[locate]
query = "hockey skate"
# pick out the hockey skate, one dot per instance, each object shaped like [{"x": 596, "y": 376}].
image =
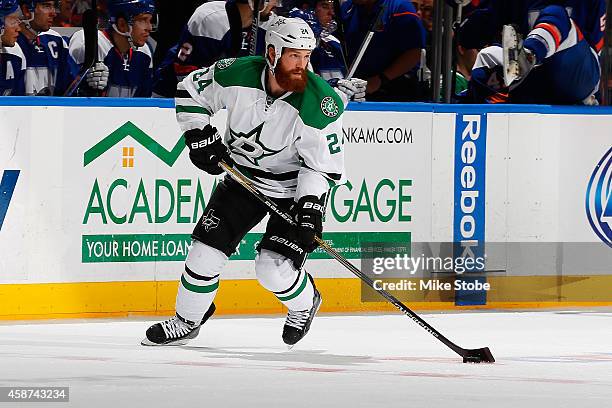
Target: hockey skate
[
  {"x": 175, "y": 331},
  {"x": 518, "y": 61},
  {"x": 298, "y": 321}
]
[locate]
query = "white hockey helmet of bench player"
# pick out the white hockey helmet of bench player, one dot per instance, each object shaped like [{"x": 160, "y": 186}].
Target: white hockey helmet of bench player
[{"x": 287, "y": 32}]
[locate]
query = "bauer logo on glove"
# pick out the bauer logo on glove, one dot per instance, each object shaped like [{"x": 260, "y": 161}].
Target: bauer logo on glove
[{"x": 206, "y": 149}]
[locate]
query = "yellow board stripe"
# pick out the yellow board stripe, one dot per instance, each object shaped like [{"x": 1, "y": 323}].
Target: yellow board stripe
[{"x": 116, "y": 299}]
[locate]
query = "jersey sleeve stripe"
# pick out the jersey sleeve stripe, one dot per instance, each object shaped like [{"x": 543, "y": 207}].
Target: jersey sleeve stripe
[
  {"x": 185, "y": 102},
  {"x": 192, "y": 109},
  {"x": 332, "y": 176},
  {"x": 553, "y": 31},
  {"x": 407, "y": 13}
]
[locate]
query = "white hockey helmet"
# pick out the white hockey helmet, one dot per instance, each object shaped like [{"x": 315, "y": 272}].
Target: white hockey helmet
[{"x": 287, "y": 32}]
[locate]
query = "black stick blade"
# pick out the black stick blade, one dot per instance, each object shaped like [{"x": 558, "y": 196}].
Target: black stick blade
[{"x": 481, "y": 355}]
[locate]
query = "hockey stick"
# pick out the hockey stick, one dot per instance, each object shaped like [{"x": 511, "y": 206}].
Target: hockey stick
[
  {"x": 469, "y": 355},
  {"x": 254, "y": 27},
  {"x": 376, "y": 26},
  {"x": 90, "y": 32}
]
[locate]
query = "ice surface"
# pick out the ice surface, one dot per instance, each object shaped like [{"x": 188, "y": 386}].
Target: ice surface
[{"x": 544, "y": 359}]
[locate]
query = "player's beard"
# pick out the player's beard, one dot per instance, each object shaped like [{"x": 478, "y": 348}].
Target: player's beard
[{"x": 289, "y": 81}]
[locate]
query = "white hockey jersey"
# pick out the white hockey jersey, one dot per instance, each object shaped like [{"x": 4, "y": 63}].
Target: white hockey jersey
[{"x": 290, "y": 146}]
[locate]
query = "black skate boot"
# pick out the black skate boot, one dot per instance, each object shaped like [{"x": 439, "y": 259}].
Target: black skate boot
[
  {"x": 175, "y": 331},
  {"x": 298, "y": 321}
]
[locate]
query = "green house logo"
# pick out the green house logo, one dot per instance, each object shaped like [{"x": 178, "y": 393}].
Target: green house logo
[{"x": 128, "y": 129}]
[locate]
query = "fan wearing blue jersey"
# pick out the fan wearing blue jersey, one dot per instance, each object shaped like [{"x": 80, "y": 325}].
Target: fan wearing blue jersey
[
  {"x": 326, "y": 59},
  {"x": 557, "y": 62},
  {"x": 216, "y": 30},
  {"x": 394, "y": 54},
  {"x": 12, "y": 60},
  {"x": 125, "y": 60},
  {"x": 49, "y": 68}
]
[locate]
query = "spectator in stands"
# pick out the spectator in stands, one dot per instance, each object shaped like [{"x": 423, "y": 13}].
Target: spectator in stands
[
  {"x": 557, "y": 63},
  {"x": 466, "y": 47},
  {"x": 425, "y": 11},
  {"x": 327, "y": 59},
  {"x": 470, "y": 6},
  {"x": 393, "y": 56},
  {"x": 80, "y": 6},
  {"x": 125, "y": 61},
  {"x": 49, "y": 68},
  {"x": 215, "y": 30},
  {"x": 12, "y": 60},
  {"x": 65, "y": 17},
  {"x": 486, "y": 81}
]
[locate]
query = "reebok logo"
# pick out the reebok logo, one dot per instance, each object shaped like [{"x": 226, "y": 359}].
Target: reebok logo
[{"x": 7, "y": 187}]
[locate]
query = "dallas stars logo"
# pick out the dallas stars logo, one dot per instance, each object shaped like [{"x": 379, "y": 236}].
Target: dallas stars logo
[
  {"x": 224, "y": 63},
  {"x": 329, "y": 107},
  {"x": 210, "y": 221},
  {"x": 249, "y": 145}
]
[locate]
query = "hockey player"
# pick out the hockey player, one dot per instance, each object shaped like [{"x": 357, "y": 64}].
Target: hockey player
[
  {"x": 215, "y": 30},
  {"x": 125, "y": 61},
  {"x": 480, "y": 64},
  {"x": 283, "y": 133},
  {"x": 49, "y": 68},
  {"x": 557, "y": 62},
  {"x": 326, "y": 59},
  {"x": 12, "y": 60}
]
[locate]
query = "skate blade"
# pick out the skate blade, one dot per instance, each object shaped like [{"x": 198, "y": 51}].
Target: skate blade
[
  {"x": 148, "y": 343},
  {"x": 290, "y": 346},
  {"x": 511, "y": 73},
  {"x": 510, "y": 44}
]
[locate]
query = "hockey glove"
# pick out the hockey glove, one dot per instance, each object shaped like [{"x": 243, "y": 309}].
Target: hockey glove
[
  {"x": 206, "y": 149},
  {"x": 97, "y": 77},
  {"x": 354, "y": 88},
  {"x": 310, "y": 210}
]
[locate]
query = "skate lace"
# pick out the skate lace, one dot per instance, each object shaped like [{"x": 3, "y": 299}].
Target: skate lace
[
  {"x": 175, "y": 328},
  {"x": 297, "y": 318}
]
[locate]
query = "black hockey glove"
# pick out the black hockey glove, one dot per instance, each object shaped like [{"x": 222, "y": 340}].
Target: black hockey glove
[
  {"x": 310, "y": 210},
  {"x": 206, "y": 149}
]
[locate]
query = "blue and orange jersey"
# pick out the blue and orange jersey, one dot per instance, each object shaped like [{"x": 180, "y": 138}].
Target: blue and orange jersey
[{"x": 402, "y": 30}]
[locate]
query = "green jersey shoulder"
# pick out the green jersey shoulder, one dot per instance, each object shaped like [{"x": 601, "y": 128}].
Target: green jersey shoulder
[
  {"x": 318, "y": 106},
  {"x": 245, "y": 72}
]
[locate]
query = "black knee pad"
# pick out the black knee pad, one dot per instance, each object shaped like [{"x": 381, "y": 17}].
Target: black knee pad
[{"x": 230, "y": 214}]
